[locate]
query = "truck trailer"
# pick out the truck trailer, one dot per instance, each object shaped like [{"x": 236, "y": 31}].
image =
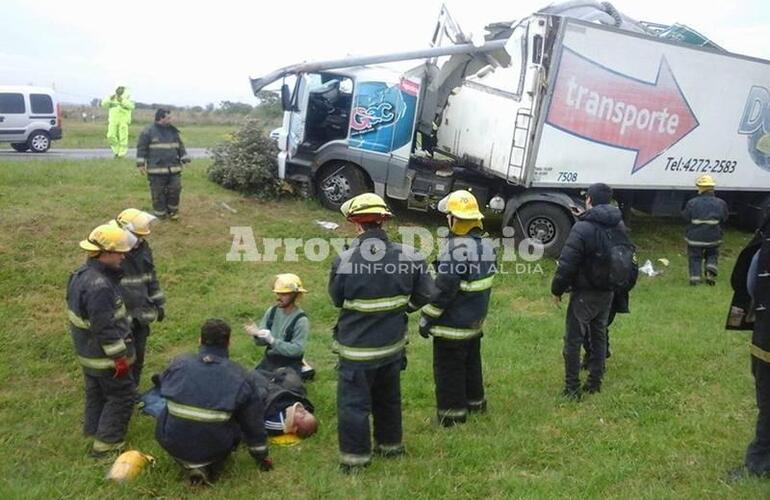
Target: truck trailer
[{"x": 546, "y": 106}]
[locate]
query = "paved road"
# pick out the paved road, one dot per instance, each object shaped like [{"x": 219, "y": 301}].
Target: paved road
[{"x": 82, "y": 154}]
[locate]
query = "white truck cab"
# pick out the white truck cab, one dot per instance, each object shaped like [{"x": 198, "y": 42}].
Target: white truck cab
[{"x": 30, "y": 118}]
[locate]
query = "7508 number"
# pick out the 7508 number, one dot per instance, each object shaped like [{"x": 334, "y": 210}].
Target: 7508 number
[{"x": 567, "y": 177}]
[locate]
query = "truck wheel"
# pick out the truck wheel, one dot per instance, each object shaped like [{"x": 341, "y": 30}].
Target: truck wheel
[
  {"x": 339, "y": 182},
  {"x": 39, "y": 141},
  {"x": 544, "y": 222},
  {"x": 19, "y": 146}
]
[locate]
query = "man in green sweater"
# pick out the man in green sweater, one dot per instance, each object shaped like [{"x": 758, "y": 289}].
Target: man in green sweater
[{"x": 284, "y": 328}]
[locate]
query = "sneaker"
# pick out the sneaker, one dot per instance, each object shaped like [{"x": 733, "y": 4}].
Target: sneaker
[
  {"x": 173, "y": 216},
  {"x": 573, "y": 394},
  {"x": 710, "y": 281},
  {"x": 592, "y": 388},
  {"x": 198, "y": 476},
  {"x": 390, "y": 451},
  {"x": 694, "y": 281}
]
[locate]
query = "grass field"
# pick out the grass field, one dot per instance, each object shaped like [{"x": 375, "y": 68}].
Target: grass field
[
  {"x": 676, "y": 411},
  {"x": 78, "y": 134}
]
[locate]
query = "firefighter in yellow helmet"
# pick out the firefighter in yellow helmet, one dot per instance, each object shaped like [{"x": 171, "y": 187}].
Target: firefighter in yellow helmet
[
  {"x": 374, "y": 283},
  {"x": 102, "y": 337},
  {"x": 456, "y": 312},
  {"x": 284, "y": 328},
  {"x": 141, "y": 291},
  {"x": 120, "y": 107},
  {"x": 705, "y": 214}
]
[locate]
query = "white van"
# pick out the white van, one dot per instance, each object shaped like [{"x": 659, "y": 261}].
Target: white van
[{"x": 30, "y": 118}]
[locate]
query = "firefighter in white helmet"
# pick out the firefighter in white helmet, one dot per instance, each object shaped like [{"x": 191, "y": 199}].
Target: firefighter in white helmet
[{"x": 102, "y": 337}]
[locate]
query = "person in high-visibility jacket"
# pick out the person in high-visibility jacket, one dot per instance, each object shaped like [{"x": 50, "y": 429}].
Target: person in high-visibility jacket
[
  {"x": 705, "y": 214},
  {"x": 141, "y": 291},
  {"x": 455, "y": 315},
  {"x": 102, "y": 338},
  {"x": 374, "y": 283},
  {"x": 120, "y": 107}
]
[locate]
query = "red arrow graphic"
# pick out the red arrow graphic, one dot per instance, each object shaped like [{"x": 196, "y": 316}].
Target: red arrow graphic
[{"x": 601, "y": 105}]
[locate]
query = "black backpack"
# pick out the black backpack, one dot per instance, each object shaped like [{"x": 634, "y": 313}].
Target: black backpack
[{"x": 614, "y": 265}]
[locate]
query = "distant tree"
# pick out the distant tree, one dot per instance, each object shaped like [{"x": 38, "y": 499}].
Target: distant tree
[
  {"x": 197, "y": 109},
  {"x": 95, "y": 102},
  {"x": 268, "y": 98},
  {"x": 236, "y": 108},
  {"x": 209, "y": 107}
]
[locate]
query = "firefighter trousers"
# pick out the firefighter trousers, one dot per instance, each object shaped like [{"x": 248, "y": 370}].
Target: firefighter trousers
[
  {"x": 758, "y": 452},
  {"x": 165, "y": 190},
  {"x": 458, "y": 378},
  {"x": 109, "y": 404},
  {"x": 365, "y": 391},
  {"x": 140, "y": 332},
  {"x": 696, "y": 256},
  {"x": 587, "y": 316}
]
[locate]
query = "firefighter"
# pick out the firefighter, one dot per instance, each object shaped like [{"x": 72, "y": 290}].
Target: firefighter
[
  {"x": 705, "y": 213},
  {"x": 118, "y": 119},
  {"x": 284, "y": 327},
  {"x": 748, "y": 311},
  {"x": 141, "y": 292},
  {"x": 374, "y": 283},
  {"x": 455, "y": 315},
  {"x": 160, "y": 154},
  {"x": 101, "y": 334},
  {"x": 211, "y": 403}
]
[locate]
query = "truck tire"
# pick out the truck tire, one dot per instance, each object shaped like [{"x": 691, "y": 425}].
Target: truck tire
[
  {"x": 546, "y": 222},
  {"x": 19, "y": 146},
  {"x": 39, "y": 141},
  {"x": 338, "y": 182}
]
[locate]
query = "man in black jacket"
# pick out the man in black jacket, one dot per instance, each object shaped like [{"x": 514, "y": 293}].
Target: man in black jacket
[
  {"x": 160, "y": 154},
  {"x": 374, "y": 283},
  {"x": 589, "y": 306},
  {"x": 211, "y": 403},
  {"x": 141, "y": 291},
  {"x": 705, "y": 213},
  {"x": 749, "y": 311}
]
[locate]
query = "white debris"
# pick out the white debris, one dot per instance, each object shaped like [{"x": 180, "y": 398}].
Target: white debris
[
  {"x": 327, "y": 225},
  {"x": 648, "y": 269}
]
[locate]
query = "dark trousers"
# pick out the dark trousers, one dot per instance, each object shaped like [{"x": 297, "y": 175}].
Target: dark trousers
[
  {"x": 140, "y": 333},
  {"x": 758, "y": 452},
  {"x": 696, "y": 256},
  {"x": 458, "y": 379},
  {"x": 365, "y": 391},
  {"x": 109, "y": 404},
  {"x": 587, "y": 340},
  {"x": 165, "y": 190},
  {"x": 587, "y": 316}
]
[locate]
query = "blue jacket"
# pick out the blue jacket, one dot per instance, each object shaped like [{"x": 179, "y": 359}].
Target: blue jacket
[{"x": 212, "y": 403}]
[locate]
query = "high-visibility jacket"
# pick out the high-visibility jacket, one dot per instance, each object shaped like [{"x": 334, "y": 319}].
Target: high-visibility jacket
[
  {"x": 120, "y": 108},
  {"x": 705, "y": 214},
  {"x": 98, "y": 320},
  {"x": 139, "y": 285},
  {"x": 160, "y": 147},
  {"x": 464, "y": 273},
  {"x": 375, "y": 283},
  {"x": 211, "y": 403}
]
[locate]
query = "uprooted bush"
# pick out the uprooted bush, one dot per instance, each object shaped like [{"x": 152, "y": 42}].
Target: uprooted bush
[{"x": 246, "y": 162}]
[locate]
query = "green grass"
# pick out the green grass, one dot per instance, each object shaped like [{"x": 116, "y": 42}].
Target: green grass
[
  {"x": 676, "y": 411},
  {"x": 78, "y": 134}
]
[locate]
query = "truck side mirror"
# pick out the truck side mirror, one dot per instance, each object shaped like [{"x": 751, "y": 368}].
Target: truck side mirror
[{"x": 285, "y": 97}]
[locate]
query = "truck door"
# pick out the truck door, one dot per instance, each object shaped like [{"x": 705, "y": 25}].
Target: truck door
[
  {"x": 298, "y": 115},
  {"x": 13, "y": 117}
]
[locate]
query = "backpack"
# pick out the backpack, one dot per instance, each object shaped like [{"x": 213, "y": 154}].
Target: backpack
[
  {"x": 289, "y": 327},
  {"x": 614, "y": 265}
]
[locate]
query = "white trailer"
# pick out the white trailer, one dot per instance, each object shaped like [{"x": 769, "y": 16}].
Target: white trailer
[{"x": 547, "y": 106}]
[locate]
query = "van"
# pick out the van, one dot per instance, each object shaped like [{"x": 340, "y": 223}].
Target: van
[{"x": 30, "y": 118}]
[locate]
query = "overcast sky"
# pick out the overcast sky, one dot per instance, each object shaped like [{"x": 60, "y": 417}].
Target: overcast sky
[{"x": 185, "y": 53}]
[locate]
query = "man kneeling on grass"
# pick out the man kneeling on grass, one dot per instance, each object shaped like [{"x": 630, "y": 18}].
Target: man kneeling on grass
[{"x": 211, "y": 403}]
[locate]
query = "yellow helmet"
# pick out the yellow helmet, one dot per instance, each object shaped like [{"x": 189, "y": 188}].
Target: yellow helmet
[
  {"x": 705, "y": 181},
  {"x": 128, "y": 465},
  {"x": 370, "y": 205},
  {"x": 109, "y": 238},
  {"x": 288, "y": 283},
  {"x": 460, "y": 204},
  {"x": 136, "y": 221}
]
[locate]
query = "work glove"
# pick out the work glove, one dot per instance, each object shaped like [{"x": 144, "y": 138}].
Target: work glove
[
  {"x": 424, "y": 327},
  {"x": 161, "y": 313},
  {"x": 266, "y": 464},
  {"x": 122, "y": 367},
  {"x": 266, "y": 337}
]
